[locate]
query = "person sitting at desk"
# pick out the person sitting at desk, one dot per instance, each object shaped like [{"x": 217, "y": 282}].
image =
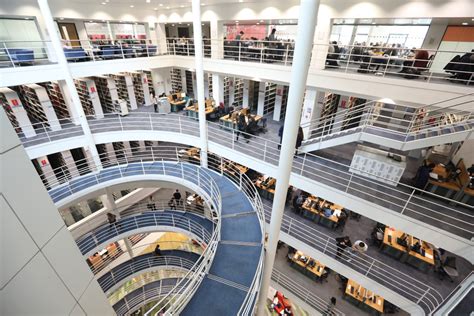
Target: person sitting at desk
[
  {"x": 416, "y": 247},
  {"x": 327, "y": 212},
  {"x": 241, "y": 127},
  {"x": 422, "y": 176}
]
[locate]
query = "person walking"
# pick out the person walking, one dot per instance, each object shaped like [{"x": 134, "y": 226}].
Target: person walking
[
  {"x": 241, "y": 126},
  {"x": 172, "y": 204},
  {"x": 330, "y": 307},
  {"x": 423, "y": 176},
  {"x": 342, "y": 243},
  {"x": 280, "y": 133},
  {"x": 157, "y": 250},
  {"x": 177, "y": 197},
  {"x": 112, "y": 219},
  {"x": 154, "y": 100}
]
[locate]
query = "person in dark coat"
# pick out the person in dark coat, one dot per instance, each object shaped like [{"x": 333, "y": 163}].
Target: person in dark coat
[
  {"x": 422, "y": 176},
  {"x": 299, "y": 138}
]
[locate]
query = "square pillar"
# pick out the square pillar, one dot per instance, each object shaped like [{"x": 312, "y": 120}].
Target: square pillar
[
  {"x": 245, "y": 96},
  {"x": 278, "y": 102},
  {"x": 218, "y": 88},
  {"x": 261, "y": 98},
  {"x": 311, "y": 109},
  {"x": 217, "y": 39}
]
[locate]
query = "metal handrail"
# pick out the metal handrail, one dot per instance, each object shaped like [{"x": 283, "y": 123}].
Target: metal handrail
[
  {"x": 396, "y": 280},
  {"x": 305, "y": 294}
]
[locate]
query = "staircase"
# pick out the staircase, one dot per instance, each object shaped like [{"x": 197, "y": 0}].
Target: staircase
[{"x": 394, "y": 126}]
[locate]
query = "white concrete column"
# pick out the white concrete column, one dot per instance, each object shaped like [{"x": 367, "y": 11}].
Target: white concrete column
[
  {"x": 321, "y": 39},
  {"x": 196, "y": 5},
  {"x": 218, "y": 88},
  {"x": 206, "y": 86},
  {"x": 278, "y": 102},
  {"x": 70, "y": 162},
  {"x": 109, "y": 202},
  {"x": 161, "y": 36},
  {"x": 85, "y": 208},
  {"x": 76, "y": 101},
  {"x": 261, "y": 98},
  {"x": 217, "y": 39},
  {"x": 311, "y": 110},
  {"x": 161, "y": 80},
  {"x": 68, "y": 102},
  {"x": 245, "y": 97},
  {"x": 299, "y": 73},
  {"x": 183, "y": 80}
]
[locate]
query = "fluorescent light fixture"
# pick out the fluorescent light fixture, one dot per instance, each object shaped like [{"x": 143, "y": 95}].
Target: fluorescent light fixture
[
  {"x": 181, "y": 6},
  {"x": 387, "y": 100},
  {"x": 465, "y": 23}
]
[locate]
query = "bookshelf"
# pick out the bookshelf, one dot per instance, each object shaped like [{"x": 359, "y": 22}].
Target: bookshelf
[
  {"x": 227, "y": 82},
  {"x": 149, "y": 79},
  {"x": 176, "y": 81},
  {"x": 270, "y": 96},
  {"x": 330, "y": 104},
  {"x": 8, "y": 110},
  {"x": 57, "y": 99},
  {"x": 102, "y": 150},
  {"x": 83, "y": 91},
  {"x": 284, "y": 102},
  {"x": 189, "y": 83},
  {"x": 209, "y": 80},
  {"x": 125, "y": 89},
  {"x": 354, "y": 114},
  {"x": 107, "y": 92},
  {"x": 238, "y": 91},
  {"x": 15, "y": 112},
  {"x": 38, "y": 105}
]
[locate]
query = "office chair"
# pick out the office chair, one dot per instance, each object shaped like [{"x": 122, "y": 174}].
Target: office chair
[
  {"x": 324, "y": 276},
  {"x": 449, "y": 268}
]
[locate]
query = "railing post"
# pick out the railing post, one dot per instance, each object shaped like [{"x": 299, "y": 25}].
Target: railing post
[
  {"x": 179, "y": 124},
  {"x": 302, "y": 166},
  {"x": 367, "y": 273},
  {"x": 233, "y": 138},
  {"x": 187, "y": 47},
  {"x": 289, "y": 226},
  {"x": 8, "y": 54},
  {"x": 348, "y": 59},
  {"x": 240, "y": 180},
  {"x": 199, "y": 177},
  {"x": 120, "y": 120},
  {"x": 151, "y": 122},
  {"x": 177, "y": 154},
  {"x": 121, "y": 49},
  {"x": 143, "y": 167},
  {"x": 264, "y": 151},
  {"x": 152, "y": 154},
  {"x": 424, "y": 294},
  {"x": 408, "y": 201},
  {"x": 239, "y": 49},
  {"x": 287, "y": 51},
  {"x": 222, "y": 166},
  {"x": 349, "y": 183},
  {"x": 325, "y": 246}
]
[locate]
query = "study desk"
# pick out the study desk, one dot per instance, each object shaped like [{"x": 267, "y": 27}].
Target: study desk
[
  {"x": 314, "y": 271},
  {"x": 451, "y": 186},
  {"x": 230, "y": 120},
  {"x": 311, "y": 208},
  {"x": 363, "y": 298},
  {"x": 178, "y": 104},
  {"x": 416, "y": 259},
  {"x": 191, "y": 155},
  {"x": 266, "y": 190},
  {"x": 193, "y": 110}
]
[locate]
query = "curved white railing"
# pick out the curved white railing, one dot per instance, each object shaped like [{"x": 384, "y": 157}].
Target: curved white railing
[
  {"x": 396, "y": 280},
  {"x": 427, "y": 207},
  {"x": 303, "y": 293}
]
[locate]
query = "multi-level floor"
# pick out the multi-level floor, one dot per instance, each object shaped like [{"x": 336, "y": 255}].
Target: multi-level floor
[{"x": 89, "y": 140}]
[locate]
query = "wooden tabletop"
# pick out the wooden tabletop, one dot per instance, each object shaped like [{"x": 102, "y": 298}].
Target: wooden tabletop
[
  {"x": 429, "y": 252},
  {"x": 318, "y": 268},
  {"x": 228, "y": 119},
  {"x": 321, "y": 204},
  {"x": 271, "y": 182},
  {"x": 361, "y": 294}
]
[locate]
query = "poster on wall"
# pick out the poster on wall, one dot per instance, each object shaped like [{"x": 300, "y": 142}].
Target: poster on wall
[{"x": 257, "y": 31}]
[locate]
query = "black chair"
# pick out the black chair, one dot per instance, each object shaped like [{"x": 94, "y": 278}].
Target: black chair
[{"x": 449, "y": 269}]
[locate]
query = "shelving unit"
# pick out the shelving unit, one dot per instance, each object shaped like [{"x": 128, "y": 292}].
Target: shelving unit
[
  {"x": 126, "y": 89},
  {"x": 189, "y": 83},
  {"x": 107, "y": 93},
  {"x": 83, "y": 91},
  {"x": 353, "y": 115},
  {"x": 102, "y": 150},
  {"x": 149, "y": 79},
  {"x": 57, "y": 99},
  {"x": 119, "y": 149},
  {"x": 176, "y": 81},
  {"x": 284, "y": 102},
  {"x": 270, "y": 96},
  {"x": 330, "y": 104},
  {"x": 227, "y": 82},
  {"x": 238, "y": 91},
  {"x": 209, "y": 79},
  {"x": 38, "y": 105},
  {"x": 15, "y": 112}
]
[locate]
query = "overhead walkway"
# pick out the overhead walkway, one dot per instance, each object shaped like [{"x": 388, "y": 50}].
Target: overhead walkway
[
  {"x": 445, "y": 222},
  {"x": 394, "y": 126},
  {"x": 233, "y": 258}
]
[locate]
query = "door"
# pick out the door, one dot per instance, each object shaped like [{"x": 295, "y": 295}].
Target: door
[{"x": 69, "y": 33}]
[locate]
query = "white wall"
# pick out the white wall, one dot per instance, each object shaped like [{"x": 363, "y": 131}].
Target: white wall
[
  {"x": 42, "y": 270},
  {"x": 466, "y": 152}
]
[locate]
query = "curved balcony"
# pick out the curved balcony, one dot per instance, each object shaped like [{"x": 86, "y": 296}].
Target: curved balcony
[
  {"x": 149, "y": 292},
  {"x": 233, "y": 239},
  {"x": 444, "y": 221}
]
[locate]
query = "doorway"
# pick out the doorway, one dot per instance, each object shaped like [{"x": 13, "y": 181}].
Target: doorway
[{"x": 69, "y": 33}]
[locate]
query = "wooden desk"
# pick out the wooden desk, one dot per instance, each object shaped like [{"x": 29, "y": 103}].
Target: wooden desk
[
  {"x": 398, "y": 251},
  {"x": 227, "y": 121},
  {"x": 318, "y": 216},
  {"x": 451, "y": 186},
  {"x": 362, "y": 297},
  {"x": 314, "y": 272},
  {"x": 310, "y": 212},
  {"x": 193, "y": 110},
  {"x": 177, "y": 105},
  {"x": 265, "y": 191}
]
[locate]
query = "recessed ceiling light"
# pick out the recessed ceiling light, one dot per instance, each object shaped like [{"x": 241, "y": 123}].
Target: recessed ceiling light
[
  {"x": 172, "y": 24},
  {"x": 103, "y": 3},
  {"x": 373, "y": 22},
  {"x": 465, "y": 23},
  {"x": 147, "y": 1},
  {"x": 61, "y": 19},
  {"x": 202, "y": 24},
  {"x": 261, "y": 21},
  {"x": 167, "y": 7},
  {"x": 236, "y": 21},
  {"x": 161, "y": 4},
  {"x": 91, "y": 21},
  {"x": 180, "y": 23},
  {"x": 258, "y": 23},
  {"x": 27, "y": 18},
  {"x": 132, "y": 6},
  {"x": 241, "y": 0},
  {"x": 188, "y": 24},
  {"x": 155, "y": 9},
  {"x": 203, "y": 4}
]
